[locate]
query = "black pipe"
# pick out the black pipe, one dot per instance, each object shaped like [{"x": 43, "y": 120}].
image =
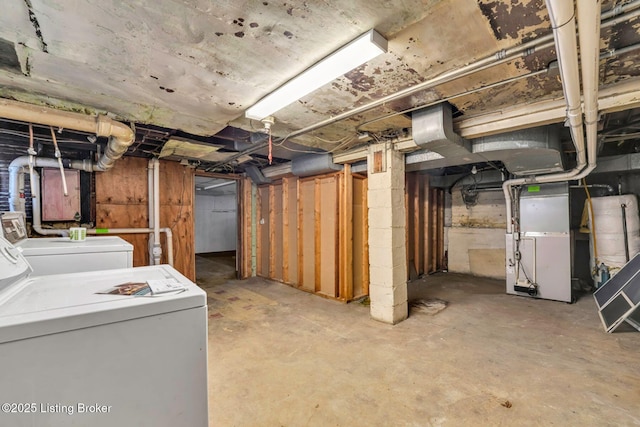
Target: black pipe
[{"x": 624, "y": 230}]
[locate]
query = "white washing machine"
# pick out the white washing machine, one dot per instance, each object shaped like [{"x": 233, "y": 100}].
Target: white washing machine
[
  {"x": 97, "y": 349},
  {"x": 58, "y": 255}
]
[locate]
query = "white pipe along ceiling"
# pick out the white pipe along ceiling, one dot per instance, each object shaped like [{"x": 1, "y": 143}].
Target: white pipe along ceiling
[
  {"x": 499, "y": 78},
  {"x": 562, "y": 15},
  {"x": 120, "y": 135}
]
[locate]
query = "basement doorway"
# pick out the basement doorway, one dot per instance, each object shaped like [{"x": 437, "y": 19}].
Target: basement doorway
[{"x": 216, "y": 230}]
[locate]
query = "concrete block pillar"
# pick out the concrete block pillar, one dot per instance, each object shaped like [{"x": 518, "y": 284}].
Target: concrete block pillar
[{"x": 387, "y": 253}]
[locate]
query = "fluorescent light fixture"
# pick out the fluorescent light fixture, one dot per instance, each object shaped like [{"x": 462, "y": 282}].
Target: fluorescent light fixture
[
  {"x": 222, "y": 184},
  {"x": 364, "y": 48}
]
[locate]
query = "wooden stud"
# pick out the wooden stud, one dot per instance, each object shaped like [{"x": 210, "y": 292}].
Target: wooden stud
[
  {"x": 272, "y": 231},
  {"x": 317, "y": 235},
  {"x": 417, "y": 229},
  {"x": 348, "y": 227},
  {"x": 440, "y": 229},
  {"x": 300, "y": 236},
  {"x": 337, "y": 231},
  {"x": 285, "y": 230},
  {"x": 426, "y": 229},
  {"x": 259, "y": 232},
  {"x": 407, "y": 217},
  {"x": 365, "y": 255}
]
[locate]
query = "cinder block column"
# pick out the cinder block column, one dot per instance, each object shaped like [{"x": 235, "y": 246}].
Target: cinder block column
[{"x": 387, "y": 259}]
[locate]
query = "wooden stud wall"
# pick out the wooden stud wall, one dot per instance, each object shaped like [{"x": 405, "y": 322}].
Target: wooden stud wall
[
  {"x": 122, "y": 202},
  {"x": 425, "y": 226},
  {"x": 245, "y": 218},
  {"x": 306, "y": 233}
]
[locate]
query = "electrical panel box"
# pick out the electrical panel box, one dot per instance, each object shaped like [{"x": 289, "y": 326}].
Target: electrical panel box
[{"x": 55, "y": 205}]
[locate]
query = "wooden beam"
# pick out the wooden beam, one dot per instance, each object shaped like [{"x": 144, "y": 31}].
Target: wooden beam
[
  {"x": 300, "y": 237},
  {"x": 272, "y": 231},
  {"x": 259, "y": 225},
  {"x": 407, "y": 224},
  {"x": 285, "y": 230},
  {"x": 440, "y": 229},
  {"x": 346, "y": 235},
  {"x": 417, "y": 223},
  {"x": 426, "y": 225},
  {"x": 365, "y": 256},
  {"x": 317, "y": 236},
  {"x": 232, "y": 176}
]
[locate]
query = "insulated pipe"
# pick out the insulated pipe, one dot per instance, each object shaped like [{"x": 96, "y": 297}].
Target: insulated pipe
[
  {"x": 563, "y": 21},
  {"x": 167, "y": 231},
  {"x": 120, "y": 135}
]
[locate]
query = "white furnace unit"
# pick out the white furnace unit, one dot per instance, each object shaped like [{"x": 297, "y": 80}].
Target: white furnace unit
[
  {"x": 103, "y": 348},
  {"x": 538, "y": 252}
]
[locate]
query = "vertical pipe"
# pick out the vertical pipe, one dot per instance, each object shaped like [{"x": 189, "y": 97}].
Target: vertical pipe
[
  {"x": 624, "y": 230},
  {"x": 157, "y": 249},
  {"x": 254, "y": 228},
  {"x": 59, "y": 157},
  {"x": 150, "y": 200}
]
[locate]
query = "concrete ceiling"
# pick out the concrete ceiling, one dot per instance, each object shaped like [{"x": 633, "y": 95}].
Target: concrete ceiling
[{"x": 196, "y": 66}]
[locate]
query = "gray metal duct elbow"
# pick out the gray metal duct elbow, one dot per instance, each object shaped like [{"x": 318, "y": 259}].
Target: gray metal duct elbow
[
  {"x": 432, "y": 129},
  {"x": 314, "y": 164}
]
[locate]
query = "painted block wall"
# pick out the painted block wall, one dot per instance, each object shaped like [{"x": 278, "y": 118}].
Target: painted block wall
[
  {"x": 475, "y": 235},
  {"x": 216, "y": 223}
]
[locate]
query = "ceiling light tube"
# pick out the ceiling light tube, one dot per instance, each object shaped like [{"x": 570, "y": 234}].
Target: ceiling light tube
[
  {"x": 222, "y": 184},
  {"x": 357, "y": 52}
]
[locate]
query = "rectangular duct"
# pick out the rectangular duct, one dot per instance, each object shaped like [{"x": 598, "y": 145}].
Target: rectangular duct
[{"x": 433, "y": 130}]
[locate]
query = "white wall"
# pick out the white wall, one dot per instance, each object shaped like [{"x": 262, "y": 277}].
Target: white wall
[
  {"x": 475, "y": 235},
  {"x": 216, "y": 223}
]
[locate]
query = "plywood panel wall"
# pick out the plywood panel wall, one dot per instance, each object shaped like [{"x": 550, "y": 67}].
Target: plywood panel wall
[
  {"x": 360, "y": 238},
  {"x": 263, "y": 231},
  {"x": 122, "y": 202},
  {"x": 307, "y": 218},
  {"x": 290, "y": 233},
  {"x": 305, "y": 224},
  {"x": 327, "y": 236}
]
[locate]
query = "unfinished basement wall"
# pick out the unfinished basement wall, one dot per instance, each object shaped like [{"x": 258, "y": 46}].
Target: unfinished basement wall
[
  {"x": 311, "y": 233},
  {"x": 425, "y": 226},
  {"x": 476, "y": 236},
  {"x": 216, "y": 218},
  {"x": 122, "y": 202}
]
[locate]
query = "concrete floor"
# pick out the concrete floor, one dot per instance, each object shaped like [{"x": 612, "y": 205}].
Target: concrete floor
[{"x": 282, "y": 357}]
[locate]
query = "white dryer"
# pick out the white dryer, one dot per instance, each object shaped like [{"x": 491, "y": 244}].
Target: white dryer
[{"x": 57, "y": 255}]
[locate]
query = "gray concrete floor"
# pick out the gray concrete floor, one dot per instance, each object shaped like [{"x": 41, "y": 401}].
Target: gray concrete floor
[{"x": 282, "y": 357}]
